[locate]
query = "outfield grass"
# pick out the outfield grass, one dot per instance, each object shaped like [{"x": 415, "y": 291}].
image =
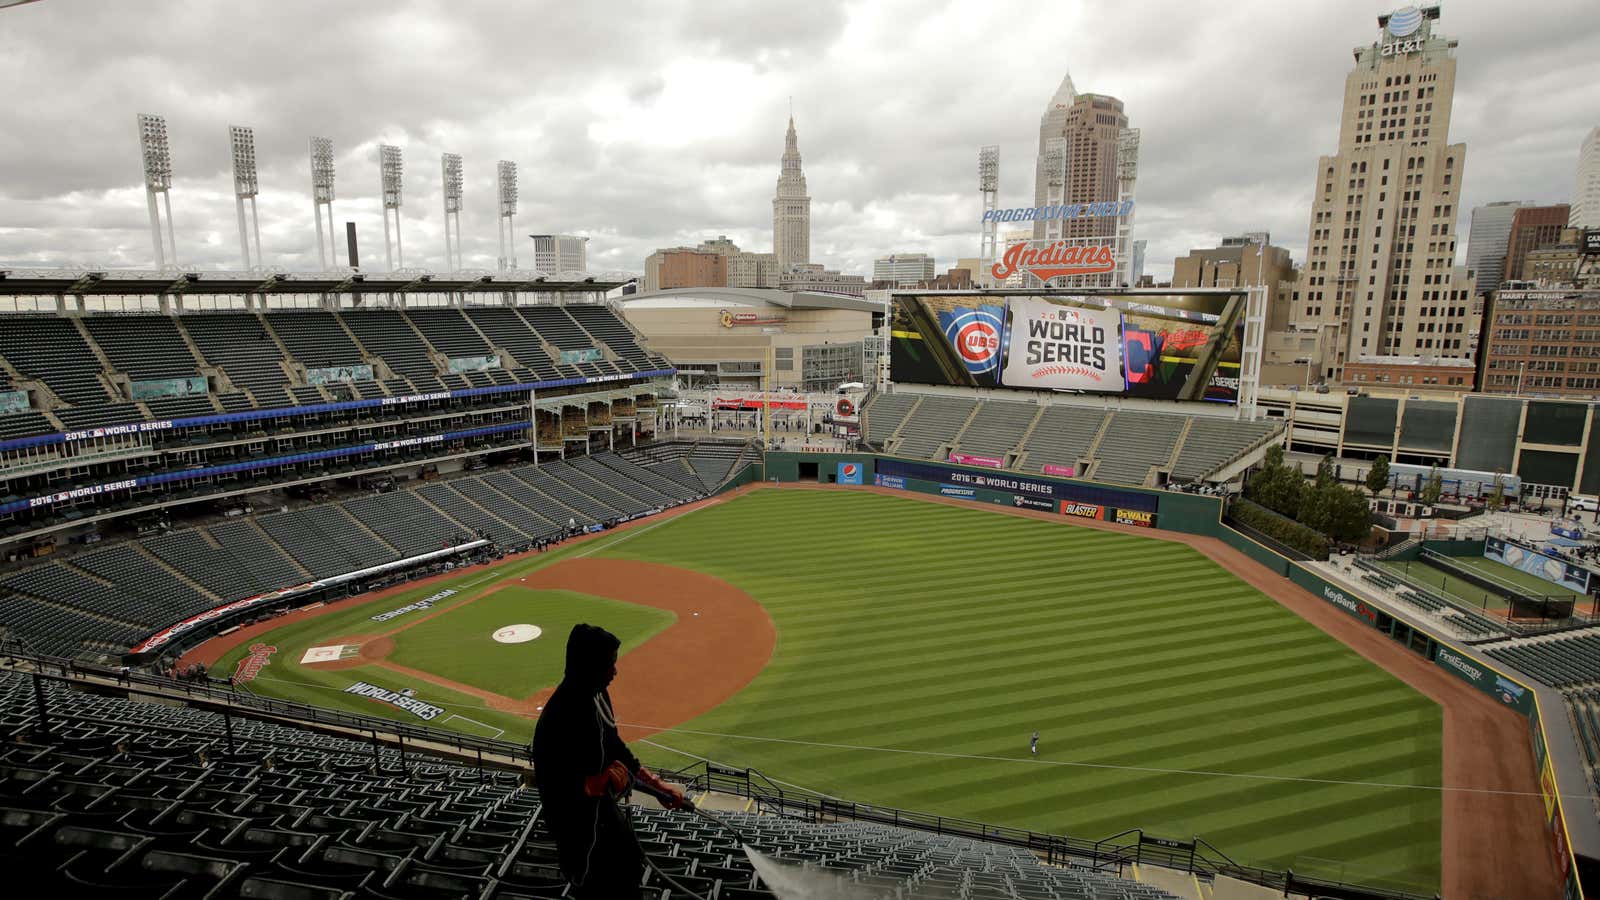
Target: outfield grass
[
  {"x": 919, "y": 644},
  {"x": 458, "y": 645}
]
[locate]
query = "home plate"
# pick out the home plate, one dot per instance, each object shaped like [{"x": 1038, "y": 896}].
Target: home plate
[{"x": 517, "y": 634}]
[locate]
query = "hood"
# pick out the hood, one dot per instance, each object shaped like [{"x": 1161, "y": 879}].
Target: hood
[{"x": 590, "y": 649}]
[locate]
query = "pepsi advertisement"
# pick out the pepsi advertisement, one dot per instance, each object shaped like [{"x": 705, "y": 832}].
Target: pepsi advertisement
[{"x": 1156, "y": 346}]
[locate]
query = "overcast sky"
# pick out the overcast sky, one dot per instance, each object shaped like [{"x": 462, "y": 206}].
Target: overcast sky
[{"x": 661, "y": 123}]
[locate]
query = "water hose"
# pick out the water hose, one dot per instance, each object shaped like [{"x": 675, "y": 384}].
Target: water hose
[{"x": 668, "y": 800}]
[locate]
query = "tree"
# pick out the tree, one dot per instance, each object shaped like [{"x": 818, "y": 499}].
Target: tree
[
  {"x": 1348, "y": 516},
  {"x": 1327, "y": 475},
  {"x": 1431, "y": 488},
  {"x": 1378, "y": 475},
  {"x": 1337, "y": 511}
]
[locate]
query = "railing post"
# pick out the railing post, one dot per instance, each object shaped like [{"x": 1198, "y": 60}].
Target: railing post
[
  {"x": 227, "y": 727},
  {"x": 40, "y": 704},
  {"x": 377, "y": 761}
]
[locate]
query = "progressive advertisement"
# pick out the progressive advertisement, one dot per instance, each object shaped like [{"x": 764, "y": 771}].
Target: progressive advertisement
[{"x": 1159, "y": 346}]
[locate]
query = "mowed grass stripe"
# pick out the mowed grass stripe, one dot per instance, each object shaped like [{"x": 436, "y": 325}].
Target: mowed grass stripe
[{"x": 926, "y": 626}]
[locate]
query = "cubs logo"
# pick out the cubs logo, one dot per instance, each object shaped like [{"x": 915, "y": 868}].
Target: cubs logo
[{"x": 975, "y": 335}]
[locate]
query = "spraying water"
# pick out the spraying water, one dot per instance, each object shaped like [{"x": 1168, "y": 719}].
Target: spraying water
[{"x": 789, "y": 881}]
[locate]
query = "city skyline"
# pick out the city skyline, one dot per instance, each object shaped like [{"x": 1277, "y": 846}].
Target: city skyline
[{"x": 635, "y": 156}]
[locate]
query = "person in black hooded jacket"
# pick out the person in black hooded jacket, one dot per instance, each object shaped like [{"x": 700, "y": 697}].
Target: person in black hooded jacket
[{"x": 582, "y": 768}]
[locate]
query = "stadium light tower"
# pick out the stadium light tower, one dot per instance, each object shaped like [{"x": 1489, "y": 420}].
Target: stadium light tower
[
  {"x": 158, "y": 180},
  {"x": 1055, "y": 171},
  {"x": 506, "y": 229},
  {"x": 322, "y": 197},
  {"x": 242, "y": 143},
  {"x": 389, "y": 167},
  {"x": 989, "y": 188},
  {"x": 450, "y": 167}
]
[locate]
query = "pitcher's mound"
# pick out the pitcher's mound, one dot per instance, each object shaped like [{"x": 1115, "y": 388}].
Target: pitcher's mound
[{"x": 517, "y": 634}]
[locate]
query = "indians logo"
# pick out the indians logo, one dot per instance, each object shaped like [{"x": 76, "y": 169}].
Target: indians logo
[
  {"x": 975, "y": 335},
  {"x": 1054, "y": 260},
  {"x": 251, "y": 665}
]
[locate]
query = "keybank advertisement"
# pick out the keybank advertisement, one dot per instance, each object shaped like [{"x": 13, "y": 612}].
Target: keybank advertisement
[
  {"x": 952, "y": 479},
  {"x": 1153, "y": 346}
]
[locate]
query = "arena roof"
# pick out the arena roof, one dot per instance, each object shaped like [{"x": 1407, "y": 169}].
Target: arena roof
[
  {"x": 721, "y": 296},
  {"x": 73, "y": 282}
]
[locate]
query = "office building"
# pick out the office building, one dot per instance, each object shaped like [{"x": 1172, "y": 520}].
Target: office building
[
  {"x": 1586, "y": 187},
  {"x": 1533, "y": 227},
  {"x": 902, "y": 269},
  {"x": 1487, "y": 238},
  {"x": 1379, "y": 267},
  {"x": 554, "y": 254}
]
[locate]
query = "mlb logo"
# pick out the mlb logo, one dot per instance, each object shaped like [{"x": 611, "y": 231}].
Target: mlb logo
[{"x": 849, "y": 473}]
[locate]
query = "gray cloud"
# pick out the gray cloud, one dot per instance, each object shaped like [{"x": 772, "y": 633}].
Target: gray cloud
[{"x": 658, "y": 124}]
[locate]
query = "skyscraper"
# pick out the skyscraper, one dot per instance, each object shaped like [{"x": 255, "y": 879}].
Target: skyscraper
[
  {"x": 1380, "y": 262},
  {"x": 1532, "y": 227},
  {"x": 791, "y": 209},
  {"x": 1486, "y": 242},
  {"x": 1087, "y": 154},
  {"x": 1586, "y": 189}
]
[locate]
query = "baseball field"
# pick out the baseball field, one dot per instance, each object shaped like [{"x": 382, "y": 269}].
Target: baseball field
[{"x": 899, "y": 652}]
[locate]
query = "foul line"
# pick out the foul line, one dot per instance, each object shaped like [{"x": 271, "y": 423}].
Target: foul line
[
  {"x": 727, "y": 765},
  {"x": 1151, "y": 770},
  {"x": 635, "y": 532}
]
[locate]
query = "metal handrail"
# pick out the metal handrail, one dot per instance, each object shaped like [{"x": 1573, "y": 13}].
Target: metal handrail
[{"x": 797, "y": 803}]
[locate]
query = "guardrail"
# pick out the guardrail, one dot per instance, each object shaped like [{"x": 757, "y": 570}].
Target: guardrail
[
  {"x": 1110, "y": 855},
  {"x": 232, "y": 702}
]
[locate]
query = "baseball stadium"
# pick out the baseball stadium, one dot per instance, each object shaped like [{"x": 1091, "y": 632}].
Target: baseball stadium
[{"x": 291, "y": 585}]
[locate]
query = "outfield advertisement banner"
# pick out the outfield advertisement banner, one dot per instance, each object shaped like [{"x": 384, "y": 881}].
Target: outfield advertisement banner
[
  {"x": 1082, "y": 510},
  {"x": 889, "y": 481},
  {"x": 973, "y": 459},
  {"x": 1160, "y": 346},
  {"x": 1492, "y": 683},
  {"x": 1012, "y": 483},
  {"x": 1022, "y": 501},
  {"x": 849, "y": 473},
  {"x": 1064, "y": 471},
  {"x": 1526, "y": 559},
  {"x": 1135, "y": 517}
]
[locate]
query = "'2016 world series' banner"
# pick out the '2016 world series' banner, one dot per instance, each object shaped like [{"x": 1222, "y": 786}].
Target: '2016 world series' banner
[
  {"x": 896, "y": 472},
  {"x": 1063, "y": 348}
]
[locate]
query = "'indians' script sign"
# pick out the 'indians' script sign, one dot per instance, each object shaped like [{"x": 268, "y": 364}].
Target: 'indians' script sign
[{"x": 1055, "y": 260}]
